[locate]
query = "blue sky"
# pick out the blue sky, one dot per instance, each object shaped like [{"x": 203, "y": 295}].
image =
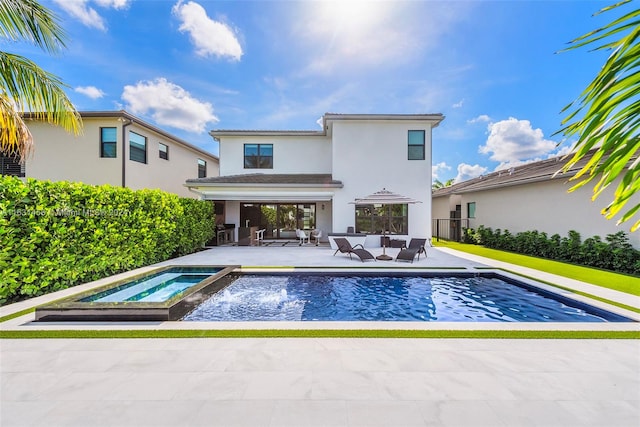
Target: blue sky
[{"x": 191, "y": 66}]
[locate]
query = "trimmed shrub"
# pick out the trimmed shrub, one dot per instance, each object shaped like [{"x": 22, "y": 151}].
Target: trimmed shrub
[
  {"x": 54, "y": 235},
  {"x": 195, "y": 227},
  {"x": 615, "y": 253}
]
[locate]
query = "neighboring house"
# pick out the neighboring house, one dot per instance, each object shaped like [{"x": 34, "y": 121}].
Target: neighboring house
[
  {"x": 115, "y": 148},
  {"x": 283, "y": 180},
  {"x": 526, "y": 198}
]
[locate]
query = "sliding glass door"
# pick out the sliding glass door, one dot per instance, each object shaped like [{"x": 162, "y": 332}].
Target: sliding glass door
[{"x": 280, "y": 220}]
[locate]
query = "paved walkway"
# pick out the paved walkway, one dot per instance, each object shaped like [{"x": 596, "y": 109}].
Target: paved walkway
[
  {"x": 320, "y": 382},
  {"x": 315, "y": 382}
]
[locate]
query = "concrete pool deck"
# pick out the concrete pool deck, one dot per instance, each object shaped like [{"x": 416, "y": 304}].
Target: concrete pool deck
[{"x": 317, "y": 381}]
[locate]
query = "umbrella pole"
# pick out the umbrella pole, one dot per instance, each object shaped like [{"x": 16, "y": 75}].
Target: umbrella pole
[{"x": 384, "y": 256}]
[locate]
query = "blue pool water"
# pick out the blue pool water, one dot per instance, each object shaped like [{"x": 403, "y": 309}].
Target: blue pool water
[
  {"x": 157, "y": 287},
  {"x": 349, "y": 298}
]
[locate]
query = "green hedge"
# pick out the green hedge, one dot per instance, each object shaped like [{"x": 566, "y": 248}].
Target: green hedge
[
  {"x": 615, "y": 253},
  {"x": 54, "y": 235}
]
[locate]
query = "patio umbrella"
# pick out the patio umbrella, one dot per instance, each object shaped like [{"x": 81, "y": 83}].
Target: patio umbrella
[{"x": 385, "y": 197}]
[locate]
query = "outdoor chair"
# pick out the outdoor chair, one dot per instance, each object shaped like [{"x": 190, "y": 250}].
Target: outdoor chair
[
  {"x": 302, "y": 236},
  {"x": 345, "y": 247},
  {"x": 316, "y": 235},
  {"x": 260, "y": 236},
  {"x": 416, "y": 247}
]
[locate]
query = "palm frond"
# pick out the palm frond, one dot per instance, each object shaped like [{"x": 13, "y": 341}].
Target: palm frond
[
  {"x": 29, "y": 20},
  {"x": 26, "y": 87},
  {"x": 606, "y": 116}
]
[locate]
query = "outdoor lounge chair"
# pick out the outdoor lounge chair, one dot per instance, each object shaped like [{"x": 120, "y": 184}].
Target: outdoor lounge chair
[
  {"x": 416, "y": 247},
  {"x": 345, "y": 247}
]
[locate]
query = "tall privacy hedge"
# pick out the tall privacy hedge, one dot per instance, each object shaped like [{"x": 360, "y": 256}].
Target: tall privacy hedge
[
  {"x": 54, "y": 235},
  {"x": 614, "y": 253}
]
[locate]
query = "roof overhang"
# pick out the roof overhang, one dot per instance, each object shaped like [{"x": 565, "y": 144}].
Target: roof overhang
[{"x": 264, "y": 196}]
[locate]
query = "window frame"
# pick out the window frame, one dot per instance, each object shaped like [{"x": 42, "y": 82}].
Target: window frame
[
  {"x": 144, "y": 138},
  {"x": 166, "y": 151},
  {"x": 202, "y": 168},
  {"x": 374, "y": 219},
  {"x": 471, "y": 214},
  {"x": 261, "y": 161},
  {"x": 103, "y": 152},
  {"x": 410, "y": 154}
]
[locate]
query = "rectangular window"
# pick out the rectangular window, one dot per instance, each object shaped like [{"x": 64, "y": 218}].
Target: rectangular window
[
  {"x": 471, "y": 210},
  {"x": 258, "y": 156},
  {"x": 202, "y": 168},
  {"x": 163, "y": 151},
  {"x": 137, "y": 148},
  {"x": 416, "y": 145},
  {"x": 108, "y": 140},
  {"x": 10, "y": 165},
  {"x": 374, "y": 219}
]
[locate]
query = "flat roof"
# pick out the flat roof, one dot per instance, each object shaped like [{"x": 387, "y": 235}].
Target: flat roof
[{"x": 435, "y": 120}]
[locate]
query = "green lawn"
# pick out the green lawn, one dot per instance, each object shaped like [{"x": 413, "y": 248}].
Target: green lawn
[{"x": 606, "y": 279}]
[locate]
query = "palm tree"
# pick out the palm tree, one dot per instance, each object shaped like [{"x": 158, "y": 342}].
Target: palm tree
[
  {"x": 606, "y": 115},
  {"x": 437, "y": 184},
  {"x": 23, "y": 85}
]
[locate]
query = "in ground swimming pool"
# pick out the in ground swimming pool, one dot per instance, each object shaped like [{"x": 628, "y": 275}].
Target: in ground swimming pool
[
  {"x": 166, "y": 293},
  {"x": 323, "y": 297}
]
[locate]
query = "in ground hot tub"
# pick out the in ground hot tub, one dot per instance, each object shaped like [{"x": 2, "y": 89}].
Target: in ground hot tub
[{"x": 167, "y": 293}]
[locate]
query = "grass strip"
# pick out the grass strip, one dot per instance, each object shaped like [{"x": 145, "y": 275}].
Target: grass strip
[
  {"x": 324, "y": 333},
  {"x": 607, "y": 279},
  {"x": 17, "y": 314}
]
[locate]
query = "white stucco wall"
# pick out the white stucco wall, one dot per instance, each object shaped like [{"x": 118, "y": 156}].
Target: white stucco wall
[
  {"x": 168, "y": 175},
  {"x": 371, "y": 155},
  {"x": 545, "y": 206},
  {"x": 291, "y": 154},
  {"x": 441, "y": 207},
  {"x": 60, "y": 156}
]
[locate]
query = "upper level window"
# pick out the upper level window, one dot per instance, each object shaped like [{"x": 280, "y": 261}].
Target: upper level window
[
  {"x": 258, "y": 156},
  {"x": 10, "y": 165},
  {"x": 416, "y": 145},
  {"x": 163, "y": 151},
  {"x": 108, "y": 140},
  {"x": 137, "y": 147},
  {"x": 202, "y": 168}
]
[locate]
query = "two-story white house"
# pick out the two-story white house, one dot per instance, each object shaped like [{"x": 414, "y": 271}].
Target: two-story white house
[
  {"x": 281, "y": 181},
  {"x": 115, "y": 148}
]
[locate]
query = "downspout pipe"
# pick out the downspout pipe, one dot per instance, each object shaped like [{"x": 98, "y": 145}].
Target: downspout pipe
[{"x": 125, "y": 122}]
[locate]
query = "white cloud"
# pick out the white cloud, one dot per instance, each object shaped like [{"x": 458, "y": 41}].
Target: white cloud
[
  {"x": 90, "y": 91},
  {"x": 512, "y": 142},
  {"x": 116, "y": 4},
  {"x": 439, "y": 168},
  {"x": 208, "y": 36},
  {"x": 169, "y": 105},
  {"x": 82, "y": 11},
  {"x": 458, "y": 104},
  {"x": 466, "y": 172},
  {"x": 482, "y": 118}
]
